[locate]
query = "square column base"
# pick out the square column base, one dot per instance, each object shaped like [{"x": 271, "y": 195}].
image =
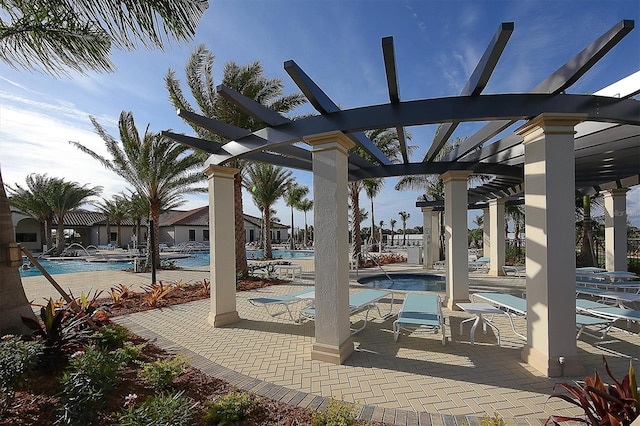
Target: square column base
[
  {"x": 551, "y": 367},
  {"x": 451, "y": 303},
  {"x": 332, "y": 354},
  {"x": 218, "y": 320}
]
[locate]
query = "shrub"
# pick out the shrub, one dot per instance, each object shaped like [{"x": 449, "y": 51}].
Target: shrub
[
  {"x": 121, "y": 292},
  {"x": 91, "y": 374},
  {"x": 110, "y": 336},
  {"x": 616, "y": 404},
  {"x": 18, "y": 359},
  {"x": 230, "y": 408},
  {"x": 338, "y": 413},
  {"x": 155, "y": 293},
  {"x": 161, "y": 410},
  {"x": 161, "y": 374}
]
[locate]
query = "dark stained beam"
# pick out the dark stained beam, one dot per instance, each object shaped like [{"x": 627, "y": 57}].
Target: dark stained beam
[
  {"x": 251, "y": 107},
  {"x": 476, "y": 83},
  {"x": 557, "y": 82},
  {"x": 218, "y": 127},
  {"x": 394, "y": 92},
  {"x": 324, "y": 105}
]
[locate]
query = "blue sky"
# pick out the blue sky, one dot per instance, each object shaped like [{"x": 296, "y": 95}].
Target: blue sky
[{"x": 338, "y": 43}]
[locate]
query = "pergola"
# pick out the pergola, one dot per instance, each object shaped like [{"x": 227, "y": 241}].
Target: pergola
[{"x": 566, "y": 144}]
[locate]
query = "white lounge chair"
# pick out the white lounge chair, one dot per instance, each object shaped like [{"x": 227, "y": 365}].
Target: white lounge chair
[
  {"x": 517, "y": 271},
  {"x": 619, "y": 298},
  {"x": 517, "y": 306},
  {"x": 609, "y": 312},
  {"x": 420, "y": 310},
  {"x": 480, "y": 265},
  {"x": 284, "y": 299},
  {"x": 364, "y": 300}
]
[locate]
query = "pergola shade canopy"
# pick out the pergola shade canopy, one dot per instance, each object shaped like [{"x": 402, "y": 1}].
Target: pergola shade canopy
[{"x": 607, "y": 141}]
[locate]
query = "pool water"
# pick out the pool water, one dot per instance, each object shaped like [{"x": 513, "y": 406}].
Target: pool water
[
  {"x": 414, "y": 282},
  {"x": 195, "y": 260}
]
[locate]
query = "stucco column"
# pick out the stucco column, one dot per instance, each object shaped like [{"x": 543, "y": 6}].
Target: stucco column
[
  {"x": 427, "y": 236},
  {"x": 456, "y": 236},
  {"x": 333, "y": 342},
  {"x": 221, "y": 237},
  {"x": 615, "y": 232},
  {"x": 486, "y": 233},
  {"x": 496, "y": 244},
  {"x": 435, "y": 236},
  {"x": 549, "y": 178}
]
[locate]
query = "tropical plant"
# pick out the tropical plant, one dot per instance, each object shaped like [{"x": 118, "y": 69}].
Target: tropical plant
[
  {"x": 305, "y": 206},
  {"x": 230, "y": 408},
  {"x": 403, "y": 217},
  {"x": 292, "y": 198},
  {"x": 154, "y": 294},
  {"x": 171, "y": 409},
  {"x": 115, "y": 209},
  {"x": 266, "y": 183},
  {"x": 33, "y": 201},
  {"x": 392, "y": 223},
  {"x": 138, "y": 209},
  {"x": 249, "y": 80},
  {"x": 160, "y": 170},
  {"x": 614, "y": 404}
]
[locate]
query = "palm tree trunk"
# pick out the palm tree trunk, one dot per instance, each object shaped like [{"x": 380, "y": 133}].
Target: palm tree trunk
[
  {"x": 268, "y": 253},
  {"x": 13, "y": 301},
  {"x": 373, "y": 225},
  {"x": 241, "y": 250},
  {"x": 305, "y": 230},
  {"x": 60, "y": 236},
  {"x": 292, "y": 244},
  {"x": 355, "y": 210},
  {"x": 587, "y": 249}
]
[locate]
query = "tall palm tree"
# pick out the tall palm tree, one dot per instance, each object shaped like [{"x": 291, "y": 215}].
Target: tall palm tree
[
  {"x": 292, "y": 198},
  {"x": 248, "y": 80},
  {"x": 392, "y": 223},
  {"x": 372, "y": 188},
  {"x": 305, "y": 206},
  {"x": 403, "y": 217},
  {"x": 267, "y": 183},
  {"x": 64, "y": 197},
  {"x": 77, "y": 36},
  {"x": 116, "y": 209},
  {"x": 160, "y": 170},
  {"x": 32, "y": 201}
]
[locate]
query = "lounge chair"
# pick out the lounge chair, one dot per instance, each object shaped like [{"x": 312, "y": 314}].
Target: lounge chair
[
  {"x": 420, "y": 310},
  {"x": 517, "y": 306},
  {"x": 285, "y": 300},
  {"x": 481, "y": 264},
  {"x": 517, "y": 271},
  {"x": 608, "y": 312},
  {"x": 364, "y": 300},
  {"x": 616, "y": 297}
]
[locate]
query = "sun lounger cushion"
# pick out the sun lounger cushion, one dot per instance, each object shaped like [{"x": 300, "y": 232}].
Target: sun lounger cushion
[{"x": 420, "y": 310}]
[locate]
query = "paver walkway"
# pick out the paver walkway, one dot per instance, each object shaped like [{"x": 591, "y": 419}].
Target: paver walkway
[{"x": 413, "y": 381}]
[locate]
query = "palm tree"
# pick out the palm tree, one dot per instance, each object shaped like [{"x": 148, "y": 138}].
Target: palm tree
[
  {"x": 137, "y": 209},
  {"x": 588, "y": 256},
  {"x": 107, "y": 209},
  {"x": 76, "y": 36},
  {"x": 267, "y": 183},
  {"x": 372, "y": 188},
  {"x": 32, "y": 201},
  {"x": 292, "y": 198},
  {"x": 64, "y": 197},
  {"x": 392, "y": 223},
  {"x": 248, "y": 80},
  {"x": 115, "y": 209},
  {"x": 160, "y": 170},
  {"x": 403, "y": 217},
  {"x": 381, "y": 230},
  {"x": 305, "y": 206}
]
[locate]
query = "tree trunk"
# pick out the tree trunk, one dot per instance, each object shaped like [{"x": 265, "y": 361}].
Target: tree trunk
[
  {"x": 241, "y": 249},
  {"x": 60, "y": 235},
  {"x": 373, "y": 225},
  {"x": 305, "y": 230},
  {"x": 155, "y": 217},
  {"x": 292, "y": 244},
  {"x": 13, "y": 300},
  {"x": 268, "y": 253},
  {"x": 355, "y": 218},
  {"x": 441, "y": 236},
  {"x": 587, "y": 250}
]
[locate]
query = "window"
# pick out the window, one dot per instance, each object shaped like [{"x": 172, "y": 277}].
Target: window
[
  {"x": 192, "y": 234},
  {"x": 26, "y": 237},
  {"x": 205, "y": 235}
]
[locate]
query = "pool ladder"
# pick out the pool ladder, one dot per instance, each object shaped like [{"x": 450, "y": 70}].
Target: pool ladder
[{"x": 373, "y": 259}]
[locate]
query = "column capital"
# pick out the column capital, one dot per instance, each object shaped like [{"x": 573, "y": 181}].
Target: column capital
[
  {"x": 426, "y": 209},
  {"x": 329, "y": 140},
  {"x": 549, "y": 123},
  {"x": 617, "y": 191},
  {"x": 497, "y": 201},
  {"x": 213, "y": 170},
  {"x": 451, "y": 175}
]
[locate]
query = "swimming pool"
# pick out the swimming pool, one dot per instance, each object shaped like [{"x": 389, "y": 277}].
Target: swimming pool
[
  {"x": 195, "y": 260},
  {"x": 415, "y": 282}
]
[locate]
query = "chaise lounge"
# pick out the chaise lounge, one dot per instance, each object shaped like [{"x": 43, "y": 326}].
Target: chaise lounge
[{"x": 420, "y": 310}]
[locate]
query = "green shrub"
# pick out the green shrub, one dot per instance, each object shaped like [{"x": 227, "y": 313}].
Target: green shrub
[
  {"x": 161, "y": 410},
  {"x": 496, "y": 420},
  {"x": 110, "y": 336},
  {"x": 18, "y": 359},
  {"x": 91, "y": 375},
  {"x": 338, "y": 413},
  {"x": 161, "y": 374},
  {"x": 128, "y": 352},
  {"x": 230, "y": 408}
]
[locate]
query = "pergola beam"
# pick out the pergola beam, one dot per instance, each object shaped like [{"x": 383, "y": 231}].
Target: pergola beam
[{"x": 394, "y": 92}]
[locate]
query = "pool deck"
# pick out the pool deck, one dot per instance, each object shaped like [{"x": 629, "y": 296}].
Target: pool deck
[{"x": 414, "y": 381}]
